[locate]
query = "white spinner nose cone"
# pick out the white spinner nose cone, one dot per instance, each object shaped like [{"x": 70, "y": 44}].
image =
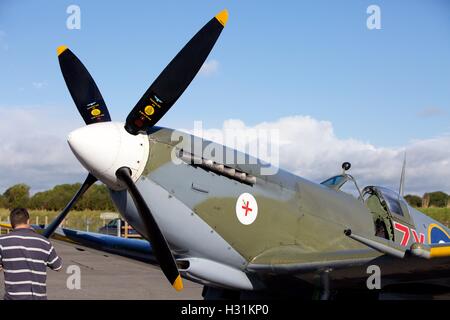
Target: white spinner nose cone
[
  {"x": 96, "y": 146},
  {"x": 104, "y": 147}
]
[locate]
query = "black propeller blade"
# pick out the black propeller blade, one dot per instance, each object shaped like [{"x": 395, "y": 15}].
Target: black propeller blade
[
  {"x": 82, "y": 88},
  {"x": 153, "y": 233},
  {"x": 90, "y": 180},
  {"x": 156, "y": 101},
  {"x": 176, "y": 77}
]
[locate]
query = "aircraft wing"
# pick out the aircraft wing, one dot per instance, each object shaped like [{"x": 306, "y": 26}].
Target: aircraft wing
[
  {"x": 285, "y": 260},
  {"x": 421, "y": 250},
  {"x": 349, "y": 267},
  {"x": 128, "y": 247},
  {"x": 429, "y": 261}
]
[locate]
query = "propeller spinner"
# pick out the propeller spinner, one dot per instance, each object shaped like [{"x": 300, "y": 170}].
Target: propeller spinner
[{"x": 114, "y": 154}]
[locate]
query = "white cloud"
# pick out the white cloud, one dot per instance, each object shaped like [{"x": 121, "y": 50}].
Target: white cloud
[
  {"x": 39, "y": 85},
  {"x": 33, "y": 148},
  {"x": 311, "y": 149},
  {"x": 209, "y": 68}
]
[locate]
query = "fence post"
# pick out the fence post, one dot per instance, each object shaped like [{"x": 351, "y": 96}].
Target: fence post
[
  {"x": 46, "y": 220},
  {"x": 119, "y": 228}
]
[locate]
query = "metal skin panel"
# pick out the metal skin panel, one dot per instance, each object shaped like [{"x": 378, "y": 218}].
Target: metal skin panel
[
  {"x": 292, "y": 211},
  {"x": 299, "y": 229},
  {"x": 186, "y": 233},
  {"x": 425, "y": 224}
]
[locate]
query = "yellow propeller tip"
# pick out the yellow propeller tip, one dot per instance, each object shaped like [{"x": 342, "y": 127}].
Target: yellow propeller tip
[
  {"x": 178, "y": 283},
  {"x": 61, "y": 49},
  {"x": 222, "y": 17}
]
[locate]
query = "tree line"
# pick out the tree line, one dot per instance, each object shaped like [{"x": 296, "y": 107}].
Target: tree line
[
  {"x": 430, "y": 199},
  {"x": 96, "y": 198}
]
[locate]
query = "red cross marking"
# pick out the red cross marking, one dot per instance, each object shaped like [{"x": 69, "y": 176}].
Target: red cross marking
[{"x": 246, "y": 208}]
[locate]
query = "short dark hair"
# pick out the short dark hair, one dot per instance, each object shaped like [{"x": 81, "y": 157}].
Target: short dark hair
[{"x": 18, "y": 216}]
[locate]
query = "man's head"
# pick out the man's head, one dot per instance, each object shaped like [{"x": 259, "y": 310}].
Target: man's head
[{"x": 19, "y": 217}]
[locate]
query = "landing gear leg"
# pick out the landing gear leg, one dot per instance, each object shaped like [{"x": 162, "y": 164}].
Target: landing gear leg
[
  {"x": 325, "y": 285},
  {"x": 323, "y": 290}
]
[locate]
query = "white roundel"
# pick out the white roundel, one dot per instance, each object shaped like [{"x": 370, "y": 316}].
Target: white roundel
[{"x": 246, "y": 208}]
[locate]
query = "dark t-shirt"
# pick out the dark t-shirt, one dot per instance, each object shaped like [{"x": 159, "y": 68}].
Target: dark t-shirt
[{"x": 24, "y": 257}]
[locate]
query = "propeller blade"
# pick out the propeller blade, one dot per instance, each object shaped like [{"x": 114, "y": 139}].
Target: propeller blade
[
  {"x": 82, "y": 88},
  {"x": 152, "y": 231},
  {"x": 90, "y": 180},
  {"x": 176, "y": 77}
]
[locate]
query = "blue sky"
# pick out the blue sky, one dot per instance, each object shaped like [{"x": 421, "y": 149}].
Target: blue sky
[{"x": 275, "y": 59}]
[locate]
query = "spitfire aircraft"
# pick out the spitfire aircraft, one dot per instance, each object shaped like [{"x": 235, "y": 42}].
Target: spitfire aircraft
[{"x": 226, "y": 225}]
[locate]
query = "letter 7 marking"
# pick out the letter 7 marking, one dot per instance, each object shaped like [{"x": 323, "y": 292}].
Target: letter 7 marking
[{"x": 406, "y": 234}]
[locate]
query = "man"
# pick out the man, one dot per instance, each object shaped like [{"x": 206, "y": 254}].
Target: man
[{"x": 24, "y": 257}]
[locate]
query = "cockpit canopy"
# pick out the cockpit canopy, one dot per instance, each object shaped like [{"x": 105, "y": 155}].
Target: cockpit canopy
[
  {"x": 385, "y": 205},
  {"x": 394, "y": 203},
  {"x": 337, "y": 183}
]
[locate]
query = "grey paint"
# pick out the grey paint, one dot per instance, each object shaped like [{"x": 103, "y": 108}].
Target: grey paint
[{"x": 189, "y": 235}]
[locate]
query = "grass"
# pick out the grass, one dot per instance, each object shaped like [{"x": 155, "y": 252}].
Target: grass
[
  {"x": 90, "y": 219},
  {"x": 440, "y": 214},
  {"x": 81, "y": 220}
]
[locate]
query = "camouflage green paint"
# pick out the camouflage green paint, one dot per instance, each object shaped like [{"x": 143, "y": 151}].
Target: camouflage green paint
[
  {"x": 159, "y": 155},
  {"x": 309, "y": 225}
]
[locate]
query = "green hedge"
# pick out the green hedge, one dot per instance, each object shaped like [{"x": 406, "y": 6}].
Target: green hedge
[{"x": 96, "y": 198}]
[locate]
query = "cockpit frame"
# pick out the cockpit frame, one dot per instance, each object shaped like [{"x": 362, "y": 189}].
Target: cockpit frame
[{"x": 338, "y": 181}]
